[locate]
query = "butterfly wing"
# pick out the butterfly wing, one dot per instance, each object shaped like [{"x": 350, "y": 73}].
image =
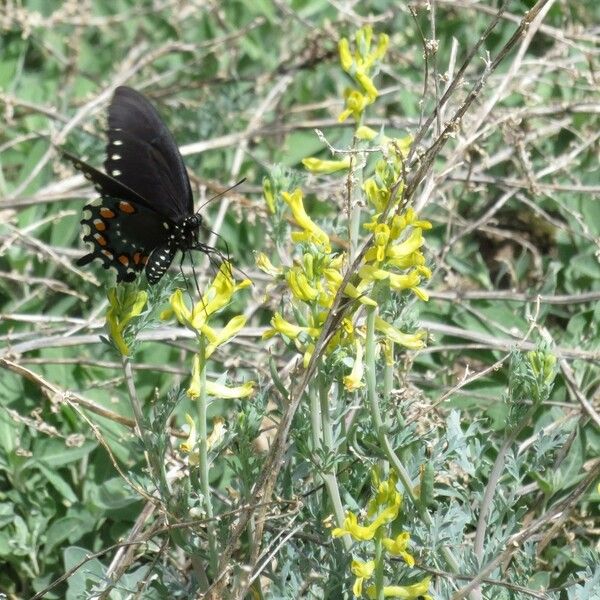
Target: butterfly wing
[
  {"x": 123, "y": 235},
  {"x": 142, "y": 154}
]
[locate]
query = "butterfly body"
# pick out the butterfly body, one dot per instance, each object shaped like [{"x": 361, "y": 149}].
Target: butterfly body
[{"x": 145, "y": 214}]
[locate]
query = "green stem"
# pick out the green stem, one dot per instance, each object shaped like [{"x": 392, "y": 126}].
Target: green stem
[
  {"x": 403, "y": 475},
  {"x": 379, "y": 564},
  {"x": 317, "y": 433},
  {"x": 330, "y": 478},
  {"x": 203, "y": 463}
]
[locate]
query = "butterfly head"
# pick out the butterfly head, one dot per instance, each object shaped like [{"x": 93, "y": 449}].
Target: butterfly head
[{"x": 187, "y": 232}]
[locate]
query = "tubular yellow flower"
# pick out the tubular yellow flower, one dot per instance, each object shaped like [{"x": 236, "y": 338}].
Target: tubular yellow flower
[
  {"x": 218, "y": 432},
  {"x": 345, "y": 55},
  {"x": 124, "y": 305},
  {"x": 366, "y": 83},
  {"x": 295, "y": 202},
  {"x": 362, "y": 570},
  {"x": 354, "y": 381},
  {"x": 416, "y": 259},
  {"x": 420, "y": 293},
  {"x": 218, "y": 390},
  {"x": 355, "y": 104},
  {"x": 189, "y": 444},
  {"x": 216, "y": 297},
  {"x": 280, "y": 325},
  {"x": 407, "y": 281},
  {"x": 365, "y": 133},
  {"x": 266, "y": 266},
  {"x": 194, "y": 388},
  {"x": 299, "y": 286},
  {"x": 377, "y": 196},
  {"x": 411, "y": 244},
  {"x": 268, "y": 194},
  {"x": 405, "y": 592},
  {"x": 317, "y": 165},
  {"x": 398, "y": 546},
  {"x": 382, "y": 236},
  {"x": 218, "y": 338},
  {"x": 412, "y": 341},
  {"x": 351, "y": 527}
]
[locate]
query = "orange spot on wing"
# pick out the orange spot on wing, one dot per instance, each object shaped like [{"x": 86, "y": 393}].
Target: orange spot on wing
[
  {"x": 124, "y": 259},
  {"x": 144, "y": 260},
  {"x": 137, "y": 257},
  {"x": 107, "y": 213},
  {"x": 100, "y": 239},
  {"x": 99, "y": 224},
  {"x": 126, "y": 207}
]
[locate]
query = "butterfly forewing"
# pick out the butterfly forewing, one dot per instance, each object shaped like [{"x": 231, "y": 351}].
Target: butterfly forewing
[{"x": 142, "y": 154}]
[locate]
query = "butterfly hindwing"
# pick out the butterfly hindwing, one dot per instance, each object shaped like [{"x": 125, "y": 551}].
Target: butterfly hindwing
[
  {"x": 123, "y": 235},
  {"x": 142, "y": 154}
]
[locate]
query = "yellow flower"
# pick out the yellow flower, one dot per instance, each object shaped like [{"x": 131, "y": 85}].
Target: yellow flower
[
  {"x": 295, "y": 202},
  {"x": 355, "y": 104},
  {"x": 352, "y": 528},
  {"x": 345, "y": 55},
  {"x": 266, "y": 266},
  {"x": 366, "y": 83},
  {"x": 218, "y": 390},
  {"x": 216, "y": 297},
  {"x": 382, "y": 236},
  {"x": 189, "y": 444},
  {"x": 195, "y": 386},
  {"x": 365, "y": 133},
  {"x": 385, "y": 493},
  {"x": 125, "y": 304},
  {"x": 218, "y": 432},
  {"x": 316, "y": 165},
  {"x": 406, "y": 592},
  {"x": 377, "y": 196},
  {"x": 299, "y": 285},
  {"x": 218, "y": 338},
  {"x": 412, "y": 341},
  {"x": 353, "y": 381},
  {"x": 280, "y": 325},
  {"x": 362, "y": 570},
  {"x": 398, "y": 546},
  {"x": 268, "y": 194}
]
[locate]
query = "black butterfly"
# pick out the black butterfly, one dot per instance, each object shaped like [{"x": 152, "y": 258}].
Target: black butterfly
[{"x": 146, "y": 210}]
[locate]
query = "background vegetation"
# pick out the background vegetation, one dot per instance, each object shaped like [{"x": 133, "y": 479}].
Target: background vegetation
[{"x": 507, "y": 172}]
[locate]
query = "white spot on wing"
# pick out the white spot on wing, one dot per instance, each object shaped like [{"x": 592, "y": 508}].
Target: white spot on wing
[
  {"x": 116, "y": 173},
  {"x": 118, "y": 143},
  {"x": 116, "y": 157}
]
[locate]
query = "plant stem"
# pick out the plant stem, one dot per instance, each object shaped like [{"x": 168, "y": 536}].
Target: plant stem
[
  {"x": 403, "y": 475},
  {"x": 203, "y": 451},
  {"x": 379, "y": 564},
  {"x": 330, "y": 478}
]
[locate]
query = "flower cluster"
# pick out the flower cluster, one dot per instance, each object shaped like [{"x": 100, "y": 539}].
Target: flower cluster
[
  {"x": 315, "y": 276},
  {"x": 197, "y": 318},
  {"x": 382, "y": 511},
  {"x": 395, "y": 261},
  {"x": 361, "y": 66}
]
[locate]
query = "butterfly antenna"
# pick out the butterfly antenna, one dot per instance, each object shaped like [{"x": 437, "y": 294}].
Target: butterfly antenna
[{"x": 221, "y": 194}]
